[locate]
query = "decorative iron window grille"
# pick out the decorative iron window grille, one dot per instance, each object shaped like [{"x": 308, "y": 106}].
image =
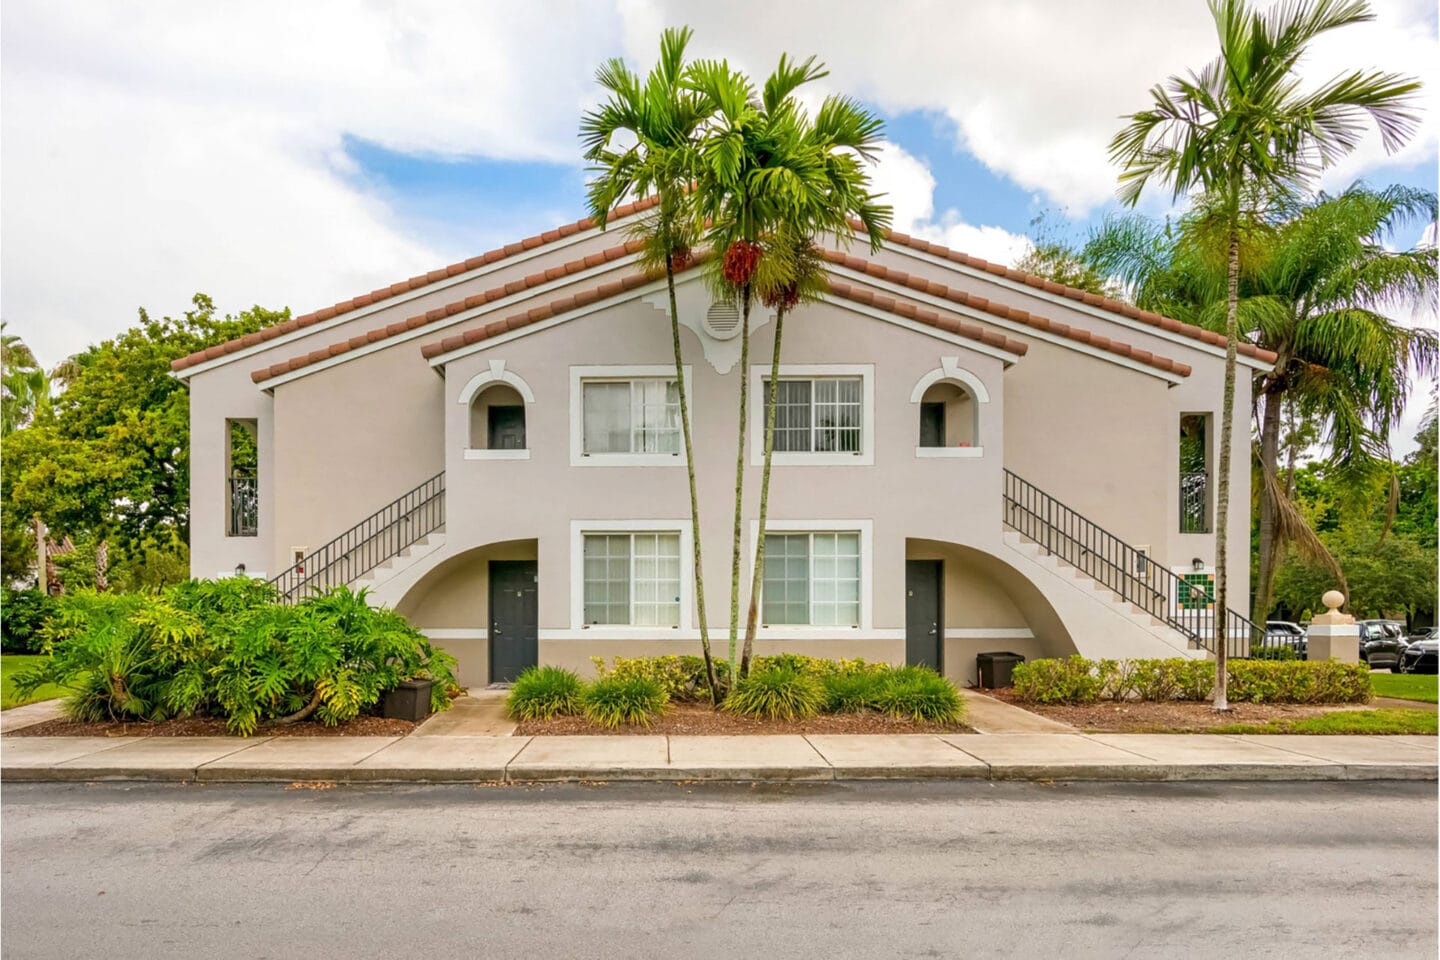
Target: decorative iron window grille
[
  {"x": 1195, "y": 502},
  {"x": 244, "y": 507}
]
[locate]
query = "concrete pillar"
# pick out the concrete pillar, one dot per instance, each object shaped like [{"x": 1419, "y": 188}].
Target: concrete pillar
[{"x": 1333, "y": 635}]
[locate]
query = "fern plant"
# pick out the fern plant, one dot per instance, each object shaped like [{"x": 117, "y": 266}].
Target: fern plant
[
  {"x": 777, "y": 693},
  {"x": 540, "y": 693},
  {"x": 612, "y": 701}
]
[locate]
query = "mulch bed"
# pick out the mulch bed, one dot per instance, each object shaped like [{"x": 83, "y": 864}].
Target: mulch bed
[
  {"x": 696, "y": 719},
  {"x": 208, "y": 727},
  {"x": 1166, "y": 717}
]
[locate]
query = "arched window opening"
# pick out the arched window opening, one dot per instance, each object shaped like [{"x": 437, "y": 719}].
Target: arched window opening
[
  {"x": 948, "y": 416},
  {"x": 497, "y": 419}
]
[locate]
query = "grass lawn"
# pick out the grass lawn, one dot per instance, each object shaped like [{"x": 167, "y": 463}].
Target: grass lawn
[
  {"x": 1406, "y": 686},
  {"x": 13, "y": 663},
  {"x": 1346, "y": 721}
]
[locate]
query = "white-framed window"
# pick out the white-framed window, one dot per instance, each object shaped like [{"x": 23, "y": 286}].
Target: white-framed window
[
  {"x": 824, "y": 414},
  {"x": 633, "y": 575},
  {"x": 625, "y": 416},
  {"x": 817, "y": 576}
]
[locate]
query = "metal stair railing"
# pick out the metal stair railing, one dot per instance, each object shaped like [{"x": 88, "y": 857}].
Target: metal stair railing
[
  {"x": 379, "y": 537},
  {"x": 1128, "y": 573}
]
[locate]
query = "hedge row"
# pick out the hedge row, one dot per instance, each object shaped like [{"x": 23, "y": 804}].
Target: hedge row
[
  {"x": 636, "y": 690},
  {"x": 1079, "y": 680}
]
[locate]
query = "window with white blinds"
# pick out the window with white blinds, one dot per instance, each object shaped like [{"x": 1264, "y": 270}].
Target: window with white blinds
[
  {"x": 812, "y": 579},
  {"x": 818, "y": 415},
  {"x": 632, "y": 579},
  {"x": 630, "y": 416}
]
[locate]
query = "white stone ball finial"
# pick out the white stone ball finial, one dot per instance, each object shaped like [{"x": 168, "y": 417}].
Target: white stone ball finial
[{"x": 1333, "y": 600}]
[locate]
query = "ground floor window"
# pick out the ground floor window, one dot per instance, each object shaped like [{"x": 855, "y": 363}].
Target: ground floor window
[
  {"x": 632, "y": 579},
  {"x": 812, "y": 579}
]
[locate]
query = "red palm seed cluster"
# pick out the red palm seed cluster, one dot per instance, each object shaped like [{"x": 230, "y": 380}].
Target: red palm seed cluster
[
  {"x": 785, "y": 297},
  {"x": 741, "y": 258}
]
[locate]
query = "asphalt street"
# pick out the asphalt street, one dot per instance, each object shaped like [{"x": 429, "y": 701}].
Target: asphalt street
[{"x": 882, "y": 870}]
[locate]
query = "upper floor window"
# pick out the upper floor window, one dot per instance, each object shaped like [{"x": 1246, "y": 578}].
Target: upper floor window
[
  {"x": 242, "y": 469},
  {"x": 824, "y": 414},
  {"x": 948, "y": 399},
  {"x": 630, "y": 416},
  {"x": 820, "y": 414},
  {"x": 812, "y": 579},
  {"x": 1195, "y": 455},
  {"x": 632, "y": 579},
  {"x": 497, "y": 419}
]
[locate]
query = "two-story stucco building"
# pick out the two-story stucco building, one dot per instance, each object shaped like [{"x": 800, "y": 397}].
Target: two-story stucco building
[{"x": 968, "y": 458}]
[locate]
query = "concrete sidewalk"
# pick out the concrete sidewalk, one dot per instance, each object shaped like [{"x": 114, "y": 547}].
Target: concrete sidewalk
[{"x": 434, "y": 759}]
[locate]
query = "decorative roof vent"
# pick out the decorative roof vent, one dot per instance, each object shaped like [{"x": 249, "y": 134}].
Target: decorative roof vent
[{"x": 722, "y": 320}]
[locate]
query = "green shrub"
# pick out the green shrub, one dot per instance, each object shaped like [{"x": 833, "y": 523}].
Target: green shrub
[
  {"x": 540, "y": 693},
  {"x": 23, "y": 615},
  {"x": 1196, "y": 679},
  {"x": 223, "y": 649},
  {"x": 682, "y": 678},
  {"x": 818, "y": 667},
  {"x": 777, "y": 693},
  {"x": 1298, "y": 681},
  {"x": 611, "y": 701},
  {"x": 919, "y": 693},
  {"x": 852, "y": 692},
  {"x": 1072, "y": 680}
]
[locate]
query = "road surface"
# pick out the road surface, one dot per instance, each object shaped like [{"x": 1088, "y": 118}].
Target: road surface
[{"x": 677, "y": 871}]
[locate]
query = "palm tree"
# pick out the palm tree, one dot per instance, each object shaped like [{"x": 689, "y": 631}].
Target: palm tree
[
  {"x": 24, "y": 385},
  {"x": 1316, "y": 292},
  {"x": 842, "y": 138},
  {"x": 1241, "y": 132},
  {"x": 663, "y": 118},
  {"x": 749, "y": 180}
]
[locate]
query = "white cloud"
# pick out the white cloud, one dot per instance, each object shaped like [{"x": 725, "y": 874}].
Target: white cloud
[
  {"x": 153, "y": 149},
  {"x": 909, "y": 187}
]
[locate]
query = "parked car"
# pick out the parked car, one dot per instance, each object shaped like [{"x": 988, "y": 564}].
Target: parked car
[
  {"x": 1381, "y": 642},
  {"x": 1285, "y": 635},
  {"x": 1420, "y": 656}
]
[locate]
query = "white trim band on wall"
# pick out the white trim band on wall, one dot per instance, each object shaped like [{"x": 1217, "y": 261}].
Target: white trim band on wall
[{"x": 989, "y": 633}]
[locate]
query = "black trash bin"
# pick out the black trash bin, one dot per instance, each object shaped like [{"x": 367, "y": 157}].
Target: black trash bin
[
  {"x": 408, "y": 701},
  {"x": 995, "y": 668}
]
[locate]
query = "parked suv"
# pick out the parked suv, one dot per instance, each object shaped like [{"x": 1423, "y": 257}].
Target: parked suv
[
  {"x": 1421, "y": 656},
  {"x": 1284, "y": 635},
  {"x": 1381, "y": 643}
]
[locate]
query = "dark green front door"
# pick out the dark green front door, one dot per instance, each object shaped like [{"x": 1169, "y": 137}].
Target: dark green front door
[
  {"x": 922, "y": 612},
  {"x": 514, "y": 615}
]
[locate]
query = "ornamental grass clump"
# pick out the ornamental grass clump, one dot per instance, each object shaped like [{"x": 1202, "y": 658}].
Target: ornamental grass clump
[
  {"x": 853, "y": 692},
  {"x": 540, "y": 693},
  {"x": 613, "y": 701},
  {"x": 777, "y": 693},
  {"x": 919, "y": 693}
]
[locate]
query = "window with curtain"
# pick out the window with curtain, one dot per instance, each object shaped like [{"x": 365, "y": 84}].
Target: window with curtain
[
  {"x": 631, "y": 416},
  {"x": 632, "y": 579},
  {"x": 817, "y": 415},
  {"x": 812, "y": 579}
]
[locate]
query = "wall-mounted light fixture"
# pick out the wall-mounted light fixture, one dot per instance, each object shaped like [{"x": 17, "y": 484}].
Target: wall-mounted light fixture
[
  {"x": 239, "y": 569},
  {"x": 1198, "y": 565}
]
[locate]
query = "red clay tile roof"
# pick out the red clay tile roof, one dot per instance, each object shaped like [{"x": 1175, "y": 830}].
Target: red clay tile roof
[
  {"x": 1071, "y": 293},
  {"x": 536, "y": 314},
  {"x": 970, "y": 331},
  {"x": 934, "y": 289},
  {"x": 404, "y": 286},
  {"x": 449, "y": 310}
]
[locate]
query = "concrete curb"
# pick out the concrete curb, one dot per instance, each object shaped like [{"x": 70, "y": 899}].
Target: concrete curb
[{"x": 780, "y": 759}]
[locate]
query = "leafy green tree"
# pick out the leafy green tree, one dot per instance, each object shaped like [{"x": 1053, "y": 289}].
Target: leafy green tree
[
  {"x": 1056, "y": 257},
  {"x": 1321, "y": 290},
  {"x": 1242, "y": 133},
  {"x": 110, "y": 458},
  {"x": 663, "y": 120}
]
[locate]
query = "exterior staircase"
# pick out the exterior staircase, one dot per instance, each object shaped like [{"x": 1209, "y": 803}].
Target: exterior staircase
[
  {"x": 1155, "y": 599},
  {"x": 398, "y": 534}
]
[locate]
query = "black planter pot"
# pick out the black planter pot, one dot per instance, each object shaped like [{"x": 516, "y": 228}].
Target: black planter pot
[{"x": 409, "y": 701}]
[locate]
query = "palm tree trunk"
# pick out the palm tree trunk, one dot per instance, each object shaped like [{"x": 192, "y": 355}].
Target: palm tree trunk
[
  {"x": 1270, "y": 545},
  {"x": 1222, "y": 488},
  {"x": 739, "y": 478},
  {"x": 710, "y": 675},
  {"x": 757, "y": 578}
]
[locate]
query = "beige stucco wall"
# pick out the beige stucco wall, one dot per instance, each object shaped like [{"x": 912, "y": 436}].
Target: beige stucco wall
[
  {"x": 349, "y": 441},
  {"x": 575, "y": 654}
]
